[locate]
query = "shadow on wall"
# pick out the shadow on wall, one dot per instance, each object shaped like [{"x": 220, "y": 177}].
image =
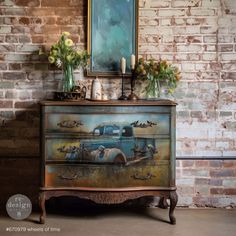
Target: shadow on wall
[{"x": 19, "y": 154}]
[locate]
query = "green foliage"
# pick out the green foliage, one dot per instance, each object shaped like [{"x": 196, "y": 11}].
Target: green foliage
[
  {"x": 64, "y": 52},
  {"x": 157, "y": 74}
]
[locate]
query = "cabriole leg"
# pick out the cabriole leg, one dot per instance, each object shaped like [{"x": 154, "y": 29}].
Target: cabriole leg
[
  {"x": 42, "y": 208},
  {"x": 163, "y": 203},
  {"x": 173, "y": 203}
]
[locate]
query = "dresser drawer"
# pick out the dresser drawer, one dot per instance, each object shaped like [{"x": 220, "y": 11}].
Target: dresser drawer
[
  {"x": 106, "y": 150},
  {"x": 151, "y": 124},
  {"x": 107, "y": 176}
]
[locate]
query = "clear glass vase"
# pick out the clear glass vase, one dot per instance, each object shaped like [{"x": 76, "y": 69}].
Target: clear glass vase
[
  {"x": 153, "y": 90},
  {"x": 68, "y": 79}
]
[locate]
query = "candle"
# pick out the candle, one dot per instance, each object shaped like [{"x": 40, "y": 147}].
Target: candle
[
  {"x": 123, "y": 65},
  {"x": 132, "y": 61}
]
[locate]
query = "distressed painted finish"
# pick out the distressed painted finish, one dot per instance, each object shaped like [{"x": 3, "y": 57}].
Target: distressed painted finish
[
  {"x": 108, "y": 146},
  {"x": 105, "y": 176}
]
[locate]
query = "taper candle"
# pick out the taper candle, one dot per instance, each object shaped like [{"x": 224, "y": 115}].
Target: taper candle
[
  {"x": 123, "y": 65},
  {"x": 132, "y": 61}
]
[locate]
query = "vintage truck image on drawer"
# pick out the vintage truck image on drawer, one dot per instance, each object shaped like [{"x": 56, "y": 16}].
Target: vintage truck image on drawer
[
  {"x": 111, "y": 142},
  {"x": 121, "y": 139}
]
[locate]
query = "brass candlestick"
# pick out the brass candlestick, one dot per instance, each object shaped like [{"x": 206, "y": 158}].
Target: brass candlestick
[{"x": 133, "y": 96}]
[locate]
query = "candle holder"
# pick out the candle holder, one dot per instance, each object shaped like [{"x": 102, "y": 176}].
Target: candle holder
[
  {"x": 133, "y": 96},
  {"x": 122, "y": 97}
]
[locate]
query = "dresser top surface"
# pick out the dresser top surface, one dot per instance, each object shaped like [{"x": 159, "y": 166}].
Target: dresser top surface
[{"x": 160, "y": 102}]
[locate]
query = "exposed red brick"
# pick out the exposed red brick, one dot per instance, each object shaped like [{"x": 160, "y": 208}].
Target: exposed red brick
[
  {"x": 37, "y": 39},
  {"x": 29, "y": 3},
  {"x": 203, "y": 163},
  {"x": 202, "y": 181},
  {"x": 229, "y": 164},
  {"x": 24, "y": 20},
  {"x": 188, "y": 163},
  {"x": 52, "y": 3},
  {"x": 28, "y": 104},
  {"x": 223, "y": 173},
  {"x": 217, "y": 191},
  {"x": 14, "y": 76},
  {"x": 6, "y": 104},
  {"x": 215, "y": 163},
  {"x": 14, "y": 66},
  {"x": 227, "y": 191},
  {"x": 230, "y": 191}
]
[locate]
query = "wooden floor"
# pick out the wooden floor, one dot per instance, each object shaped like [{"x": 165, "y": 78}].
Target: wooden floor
[{"x": 113, "y": 221}]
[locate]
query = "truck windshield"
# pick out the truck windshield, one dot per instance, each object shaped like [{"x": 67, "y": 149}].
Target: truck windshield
[{"x": 111, "y": 130}]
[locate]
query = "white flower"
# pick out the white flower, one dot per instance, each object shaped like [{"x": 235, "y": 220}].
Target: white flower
[{"x": 58, "y": 62}]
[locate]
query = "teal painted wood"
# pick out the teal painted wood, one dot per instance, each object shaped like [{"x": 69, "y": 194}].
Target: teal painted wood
[
  {"x": 69, "y": 128},
  {"x": 107, "y": 109}
]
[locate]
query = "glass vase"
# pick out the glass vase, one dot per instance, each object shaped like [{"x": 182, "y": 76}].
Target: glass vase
[
  {"x": 68, "y": 79},
  {"x": 153, "y": 90}
]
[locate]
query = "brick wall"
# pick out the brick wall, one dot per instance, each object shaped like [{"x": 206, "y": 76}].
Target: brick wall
[{"x": 199, "y": 36}]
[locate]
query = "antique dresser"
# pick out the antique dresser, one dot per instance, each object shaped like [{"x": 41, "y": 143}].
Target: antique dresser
[{"x": 108, "y": 151}]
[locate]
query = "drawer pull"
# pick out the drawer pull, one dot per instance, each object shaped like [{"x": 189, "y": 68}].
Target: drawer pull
[
  {"x": 75, "y": 176},
  {"x": 146, "y": 124},
  {"x": 142, "y": 177},
  {"x": 69, "y": 124}
]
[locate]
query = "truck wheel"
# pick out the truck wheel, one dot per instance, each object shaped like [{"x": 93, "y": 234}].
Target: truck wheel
[{"x": 119, "y": 159}]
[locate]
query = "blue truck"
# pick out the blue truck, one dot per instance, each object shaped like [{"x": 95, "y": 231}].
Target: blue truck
[{"x": 112, "y": 143}]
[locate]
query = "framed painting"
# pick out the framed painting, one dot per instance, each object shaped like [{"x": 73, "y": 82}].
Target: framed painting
[{"x": 112, "y": 34}]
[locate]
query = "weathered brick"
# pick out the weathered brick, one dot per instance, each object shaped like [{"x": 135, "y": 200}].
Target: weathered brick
[
  {"x": 185, "y": 181},
  {"x": 28, "y": 3},
  {"x": 229, "y": 183},
  {"x": 194, "y": 172},
  {"x": 222, "y": 173},
  {"x": 226, "y": 191},
  {"x": 3, "y": 66},
  {"x": 14, "y": 66},
  {"x": 24, "y": 95},
  {"x": 202, "y": 189},
  {"x": 28, "y": 104},
  {"x": 186, "y": 3},
  {"x": 199, "y": 163},
  {"x": 24, "y": 39},
  {"x": 229, "y": 163},
  {"x": 216, "y": 182},
  {"x": 216, "y": 163},
  {"x": 187, "y": 163},
  {"x": 202, "y": 181},
  {"x": 217, "y": 191},
  {"x": 14, "y": 76},
  {"x": 6, "y": 104},
  {"x": 7, "y": 114},
  {"x": 185, "y": 190}
]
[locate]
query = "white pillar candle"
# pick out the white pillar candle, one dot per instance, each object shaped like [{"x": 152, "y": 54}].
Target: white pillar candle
[
  {"x": 132, "y": 61},
  {"x": 123, "y": 65}
]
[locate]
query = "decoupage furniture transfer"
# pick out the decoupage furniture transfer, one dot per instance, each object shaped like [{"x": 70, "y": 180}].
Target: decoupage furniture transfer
[{"x": 108, "y": 152}]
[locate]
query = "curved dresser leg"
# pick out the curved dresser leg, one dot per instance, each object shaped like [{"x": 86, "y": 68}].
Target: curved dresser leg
[
  {"x": 173, "y": 203},
  {"x": 42, "y": 208},
  {"x": 163, "y": 203}
]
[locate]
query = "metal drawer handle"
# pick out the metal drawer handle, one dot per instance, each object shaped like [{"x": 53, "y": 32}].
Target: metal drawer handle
[
  {"x": 75, "y": 176},
  {"x": 146, "y": 124},
  {"x": 142, "y": 177},
  {"x": 69, "y": 124}
]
